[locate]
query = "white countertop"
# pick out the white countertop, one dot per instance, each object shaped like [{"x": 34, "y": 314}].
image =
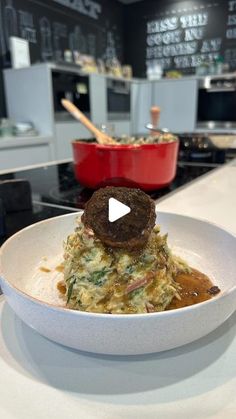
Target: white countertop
[
  {"x": 41, "y": 379},
  {"x": 211, "y": 197}
]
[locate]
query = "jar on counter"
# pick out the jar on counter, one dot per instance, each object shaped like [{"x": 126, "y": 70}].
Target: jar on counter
[
  {"x": 6, "y": 128},
  {"x": 202, "y": 69},
  {"x": 219, "y": 63},
  {"x": 68, "y": 56}
]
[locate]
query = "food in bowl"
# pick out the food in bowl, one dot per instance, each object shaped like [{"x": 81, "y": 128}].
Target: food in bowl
[
  {"x": 126, "y": 279},
  {"x": 158, "y": 138},
  {"x": 155, "y": 138},
  {"x": 34, "y": 297}
]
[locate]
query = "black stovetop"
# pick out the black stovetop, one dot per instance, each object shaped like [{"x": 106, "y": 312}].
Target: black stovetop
[
  {"x": 56, "y": 184},
  {"x": 55, "y": 191}
]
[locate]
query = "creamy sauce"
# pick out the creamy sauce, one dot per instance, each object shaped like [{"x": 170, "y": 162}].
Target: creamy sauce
[{"x": 195, "y": 288}]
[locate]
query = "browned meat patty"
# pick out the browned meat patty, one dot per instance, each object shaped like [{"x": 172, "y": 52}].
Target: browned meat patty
[{"x": 132, "y": 230}]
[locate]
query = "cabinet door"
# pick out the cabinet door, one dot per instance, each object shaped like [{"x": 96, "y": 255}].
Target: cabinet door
[
  {"x": 11, "y": 158},
  {"x": 141, "y": 101},
  {"x": 121, "y": 128},
  {"x": 65, "y": 133},
  {"x": 177, "y": 100}
]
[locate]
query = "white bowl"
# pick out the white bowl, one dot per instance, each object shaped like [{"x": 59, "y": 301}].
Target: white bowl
[{"x": 205, "y": 246}]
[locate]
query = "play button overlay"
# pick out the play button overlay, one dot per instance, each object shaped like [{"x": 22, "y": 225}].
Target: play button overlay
[
  {"x": 120, "y": 217},
  {"x": 116, "y": 210}
]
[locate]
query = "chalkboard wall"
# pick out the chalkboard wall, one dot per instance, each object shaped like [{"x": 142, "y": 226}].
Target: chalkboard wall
[
  {"x": 93, "y": 27},
  {"x": 176, "y": 34},
  {"x": 179, "y": 34}
]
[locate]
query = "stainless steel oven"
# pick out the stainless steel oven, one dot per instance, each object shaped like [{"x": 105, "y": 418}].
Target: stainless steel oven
[
  {"x": 72, "y": 86},
  {"x": 217, "y": 102},
  {"x": 118, "y": 99}
]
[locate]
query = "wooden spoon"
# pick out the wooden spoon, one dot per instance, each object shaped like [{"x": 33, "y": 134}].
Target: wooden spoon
[{"x": 77, "y": 114}]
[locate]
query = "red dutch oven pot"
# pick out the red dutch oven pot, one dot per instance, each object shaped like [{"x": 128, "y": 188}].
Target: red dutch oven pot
[{"x": 146, "y": 166}]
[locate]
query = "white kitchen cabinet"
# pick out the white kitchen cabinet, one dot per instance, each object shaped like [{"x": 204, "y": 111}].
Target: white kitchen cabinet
[
  {"x": 141, "y": 101},
  {"x": 121, "y": 128},
  {"x": 34, "y": 84},
  {"x": 15, "y": 153},
  {"x": 178, "y": 102},
  {"x": 65, "y": 133},
  {"x": 29, "y": 96}
]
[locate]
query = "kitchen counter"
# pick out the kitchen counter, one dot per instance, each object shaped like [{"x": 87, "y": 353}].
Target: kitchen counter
[
  {"x": 212, "y": 197},
  {"x": 42, "y": 379}
]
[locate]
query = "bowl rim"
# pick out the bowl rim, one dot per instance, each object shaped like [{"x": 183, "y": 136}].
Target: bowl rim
[
  {"x": 69, "y": 311},
  {"x": 122, "y": 147}
]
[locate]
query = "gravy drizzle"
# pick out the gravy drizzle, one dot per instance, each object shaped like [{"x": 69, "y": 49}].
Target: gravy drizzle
[{"x": 196, "y": 287}]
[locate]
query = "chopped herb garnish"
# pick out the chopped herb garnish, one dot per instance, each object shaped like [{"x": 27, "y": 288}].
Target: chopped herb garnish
[
  {"x": 98, "y": 277},
  {"x": 88, "y": 258},
  {"x": 70, "y": 289},
  {"x": 130, "y": 269},
  {"x": 89, "y": 255},
  {"x": 147, "y": 258},
  {"x": 137, "y": 292}
]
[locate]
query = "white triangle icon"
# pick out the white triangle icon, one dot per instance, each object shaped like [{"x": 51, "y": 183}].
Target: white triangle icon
[{"x": 116, "y": 210}]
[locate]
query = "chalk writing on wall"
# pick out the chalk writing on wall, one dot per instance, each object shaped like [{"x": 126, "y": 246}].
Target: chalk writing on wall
[
  {"x": 46, "y": 39},
  {"x": 86, "y": 7},
  {"x": 178, "y": 41},
  {"x": 27, "y": 29},
  {"x": 57, "y": 25},
  {"x": 180, "y": 34}
]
